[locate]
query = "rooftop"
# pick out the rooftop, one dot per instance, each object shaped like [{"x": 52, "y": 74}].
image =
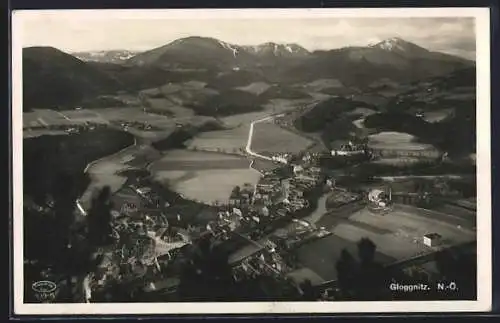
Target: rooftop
[{"x": 432, "y": 235}]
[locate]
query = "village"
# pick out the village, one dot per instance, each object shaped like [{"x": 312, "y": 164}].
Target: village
[
  {"x": 259, "y": 224},
  {"x": 265, "y": 218}
]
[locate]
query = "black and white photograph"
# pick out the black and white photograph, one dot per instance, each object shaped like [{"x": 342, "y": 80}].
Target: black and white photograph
[{"x": 251, "y": 161}]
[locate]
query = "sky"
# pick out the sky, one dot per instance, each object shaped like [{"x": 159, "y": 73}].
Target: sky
[{"x": 453, "y": 35}]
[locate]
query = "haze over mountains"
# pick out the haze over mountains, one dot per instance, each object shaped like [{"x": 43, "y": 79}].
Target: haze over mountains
[{"x": 52, "y": 77}]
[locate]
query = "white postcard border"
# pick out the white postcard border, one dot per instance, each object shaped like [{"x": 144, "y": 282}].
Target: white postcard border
[{"x": 484, "y": 243}]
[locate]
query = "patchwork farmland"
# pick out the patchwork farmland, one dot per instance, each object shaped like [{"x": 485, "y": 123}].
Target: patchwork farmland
[
  {"x": 269, "y": 137},
  {"x": 203, "y": 176},
  {"x": 398, "y": 235},
  {"x": 396, "y": 140},
  {"x": 232, "y": 140}
]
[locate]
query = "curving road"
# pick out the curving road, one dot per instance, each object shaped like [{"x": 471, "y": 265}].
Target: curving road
[{"x": 248, "y": 148}]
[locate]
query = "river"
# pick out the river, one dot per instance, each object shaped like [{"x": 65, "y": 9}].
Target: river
[{"x": 320, "y": 210}]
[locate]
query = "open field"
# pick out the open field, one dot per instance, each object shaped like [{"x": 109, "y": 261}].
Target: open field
[
  {"x": 174, "y": 176},
  {"x": 106, "y": 171},
  {"x": 322, "y": 84},
  {"x": 285, "y": 105},
  {"x": 103, "y": 115},
  {"x": 235, "y": 139},
  {"x": 230, "y": 141},
  {"x": 136, "y": 114},
  {"x": 398, "y": 235},
  {"x": 396, "y": 140},
  {"x": 185, "y": 160},
  {"x": 142, "y": 157},
  {"x": 43, "y": 118},
  {"x": 31, "y": 133},
  {"x": 321, "y": 255},
  {"x": 202, "y": 176},
  {"x": 212, "y": 185},
  {"x": 255, "y": 88},
  {"x": 193, "y": 165},
  {"x": 302, "y": 274},
  {"x": 397, "y": 161},
  {"x": 162, "y": 104},
  {"x": 269, "y": 137},
  {"x": 264, "y": 165},
  {"x": 437, "y": 116},
  {"x": 404, "y": 236},
  {"x": 361, "y": 111},
  {"x": 174, "y": 97}
]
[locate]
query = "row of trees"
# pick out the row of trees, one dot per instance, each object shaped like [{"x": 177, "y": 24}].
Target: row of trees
[
  {"x": 207, "y": 276},
  {"x": 70, "y": 250},
  {"x": 456, "y": 135},
  {"x": 366, "y": 279}
]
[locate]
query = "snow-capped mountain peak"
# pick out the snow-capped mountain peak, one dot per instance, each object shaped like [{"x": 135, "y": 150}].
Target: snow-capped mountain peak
[
  {"x": 275, "y": 49},
  {"x": 105, "y": 56},
  {"x": 229, "y": 47},
  {"x": 390, "y": 44},
  {"x": 396, "y": 44}
]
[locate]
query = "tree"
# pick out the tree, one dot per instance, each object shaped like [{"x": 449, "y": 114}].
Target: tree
[
  {"x": 308, "y": 291},
  {"x": 99, "y": 218},
  {"x": 71, "y": 253},
  {"x": 207, "y": 275},
  {"x": 372, "y": 282},
  {"x": 366, "y": 251},
  {"x": 460, "y": 268},
  {"x": 346, "y": 273},
  {"x": 236, "y": 191},
  {"x": 64, "y": 196},
  {"x": 363, "y": 280}
]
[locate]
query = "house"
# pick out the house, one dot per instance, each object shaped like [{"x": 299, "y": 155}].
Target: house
[
  {"x": 307, "y": 179},
  {"x": 315, "y": 170},
  {"x": 379, "y": 198},
  {"x": 266, "y": 184},
  {"x": 233, "y": 222},
  {"x": 237, "y": 212},
  {"x": 297, "y": 169},
  {"x": 330, "y": 182},
  {"x": 432, "y": 239},
  {"x": 234, "y": 201},
  {"x": 297, "y": 193}
]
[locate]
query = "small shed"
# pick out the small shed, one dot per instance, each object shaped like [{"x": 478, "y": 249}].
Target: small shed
[{"x": 432, "y": 239}]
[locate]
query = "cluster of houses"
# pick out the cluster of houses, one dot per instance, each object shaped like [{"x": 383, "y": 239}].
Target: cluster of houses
[
  {"x": 137, "y": 125},
  {"x": 70, "y": 128},
  {"x": 144, "y": 242},
  {"x": 266, "y": 261},
  {"x": 283, "y": 158},
  {"x": 349, "y": 149},
  {"x": 273, "y": 197},
  {"x": 227, "y": 222}
]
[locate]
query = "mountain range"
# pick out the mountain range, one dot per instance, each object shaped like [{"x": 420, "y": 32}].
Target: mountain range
[
  {"x": 67, "y": 79},
  {"x": 105, "y": 56},
  {"x": 52, "y": 78}
]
